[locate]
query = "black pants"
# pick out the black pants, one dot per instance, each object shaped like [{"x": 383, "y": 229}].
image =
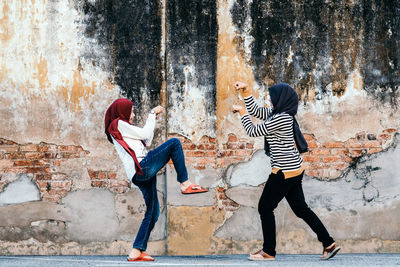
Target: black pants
[{"x": 275, "y": 189}]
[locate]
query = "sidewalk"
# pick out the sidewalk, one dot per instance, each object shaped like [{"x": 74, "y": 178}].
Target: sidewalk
[{"x": 220, "y": 260}]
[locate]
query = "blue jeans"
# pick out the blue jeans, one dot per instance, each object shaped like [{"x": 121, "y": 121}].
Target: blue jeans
[{"x": 147, "y": 183}]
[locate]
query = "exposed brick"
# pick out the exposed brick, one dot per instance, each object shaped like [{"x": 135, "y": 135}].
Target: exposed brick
[
  {"x": 92, "y": 174},
  {"x": 211, "y": 154},
  {"x": 321, "y": 152},
  {"x": 6, "y": 142},
  {"x": 204, "y": 139},
  {"x": 5, "y": 163},
  {"x": 61, "y": 184},
  {"x": 249, "y": 145},
  {"x": 312, "y": 173},
  {"x": 356, "y": 152},
  {"x": 390, "y": 130},
  {"x": 243, "y": 153},
  {"x": 333, "y": 144},
  {"x": 57, "y": 162},
  {"x": 43, "y": 176},
  {"x": 68, "y": 148},
  {"x": 37, "y": 170},
  {"x": 232, "y": 146},
  {"x": 34, "y": 155},
  {"x": 385, "y": 136},
  {"x": 339, "y": 151},
  {"x": 200, "y": 147},
  {"x": 346, "y": 159},
  {"x": 47, "y": 148},
  {"x": 220, "y": 189},
  {"x": 354, "y": 145},
  {"x": 99, "y": 183},
  {"x": 23, "y": 163},
  {"x": 112, "y": 175},
  {"x": 200, "y": 167},
  {"x": 9, "y": 148},
  {"x": 15, "y": 155},
  {"x": 311, "y": 158},
  {"x": 229, "y": 153},
  {"x": 372, "y": 144},
  {"x": 222, "y": 196},
  {"x": 309, "y": 137},
  {"x": 312, "y": 144},
  {"x": 101, "y": 175},
  {"x": 232, "y": 138},
  {"x": 374, "y": 150},
  {"x": 340, "y": 166},
  {"x": 30, "y": 148},
  {"x": 330, "y": 159},
  {"x": 212, "y": 140},
  {"x": 1, "y": 155},
  {"x": 195, "y": 153},
  {"x": 51, "y": 155},
  {"x": 220, "y": 162},
  {"x": 69, "y": 155},
  {"x": 49, "y": 198},
  {"x": 42, "y": 184},
  {"x": 119, "y": 183},
  {"x": 188, "y": 146},
  {"x": 59, "y": 176}
]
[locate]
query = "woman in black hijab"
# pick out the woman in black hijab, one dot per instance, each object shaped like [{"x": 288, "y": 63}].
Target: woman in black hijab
[{"x": 281, "y": 132}]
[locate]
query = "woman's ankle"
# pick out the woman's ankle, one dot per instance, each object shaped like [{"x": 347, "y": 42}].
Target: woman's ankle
[{"x": 185, "y": 183}]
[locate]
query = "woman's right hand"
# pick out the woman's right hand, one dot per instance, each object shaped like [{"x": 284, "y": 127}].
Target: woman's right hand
[
  {"x": 158, "y": 110},
  {"x": 243, "y": 88}
]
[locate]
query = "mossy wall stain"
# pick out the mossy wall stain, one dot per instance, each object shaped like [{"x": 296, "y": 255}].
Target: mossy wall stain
[
  {"x": 316, "y": 45},
  {"x": 131, "y": 32},
  {"x": 191, "y": 59}
]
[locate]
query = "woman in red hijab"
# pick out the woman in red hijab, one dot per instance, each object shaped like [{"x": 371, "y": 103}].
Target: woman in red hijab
[{"x": 141, "y": 166}]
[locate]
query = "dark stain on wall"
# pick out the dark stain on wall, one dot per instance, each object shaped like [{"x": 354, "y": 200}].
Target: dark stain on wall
[
  {"x": 130, "y": 32},
  {"x": 318, "y": 44},
  {"x": 192, "y": 36},
  {"x": 381, "y": 49}
]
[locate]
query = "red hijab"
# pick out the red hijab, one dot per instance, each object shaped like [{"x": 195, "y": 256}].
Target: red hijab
[{"x": 120, "y": 109}]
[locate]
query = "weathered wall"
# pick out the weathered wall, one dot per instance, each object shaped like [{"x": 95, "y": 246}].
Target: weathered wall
[{"x": 63, "y": 62}]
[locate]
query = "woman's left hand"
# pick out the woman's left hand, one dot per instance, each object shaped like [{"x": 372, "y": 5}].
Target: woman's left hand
[{"x": 237, "y": 108}]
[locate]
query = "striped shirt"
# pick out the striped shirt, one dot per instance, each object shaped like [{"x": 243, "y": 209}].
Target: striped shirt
[{"x": 278, "y": 129}]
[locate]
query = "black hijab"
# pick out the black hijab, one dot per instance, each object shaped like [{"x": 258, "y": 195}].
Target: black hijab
[{"x": 285, "y": 99}]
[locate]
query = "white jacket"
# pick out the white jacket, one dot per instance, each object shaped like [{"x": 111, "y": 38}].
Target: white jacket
[{"x": 133, "y": 135}]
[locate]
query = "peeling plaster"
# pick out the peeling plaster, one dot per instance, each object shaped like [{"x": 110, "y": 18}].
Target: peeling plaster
[
  {"x": 253, "y": 172},
  {"x": 23, "y": 189}
]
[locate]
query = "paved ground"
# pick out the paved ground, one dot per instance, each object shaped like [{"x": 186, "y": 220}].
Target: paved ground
[{"x": 223, "y": 260}]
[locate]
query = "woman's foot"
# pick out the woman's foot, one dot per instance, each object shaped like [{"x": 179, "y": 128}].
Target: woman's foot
[
  {"x": 261, "y": 256},
  {"x": 188, "y": 187},
  {"x": 134, "y": 253},
  {"x": 330, "y": 251},
  {"x": 137, "y": 255}
]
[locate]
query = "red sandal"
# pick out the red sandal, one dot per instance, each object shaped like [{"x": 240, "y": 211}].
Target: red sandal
[
  {"x": 141, "y": 257},
  {"x": 194, "y": 189}
]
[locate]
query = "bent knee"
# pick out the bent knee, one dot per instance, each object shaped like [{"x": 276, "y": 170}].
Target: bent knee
[{"x": 176, "y": 141}]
